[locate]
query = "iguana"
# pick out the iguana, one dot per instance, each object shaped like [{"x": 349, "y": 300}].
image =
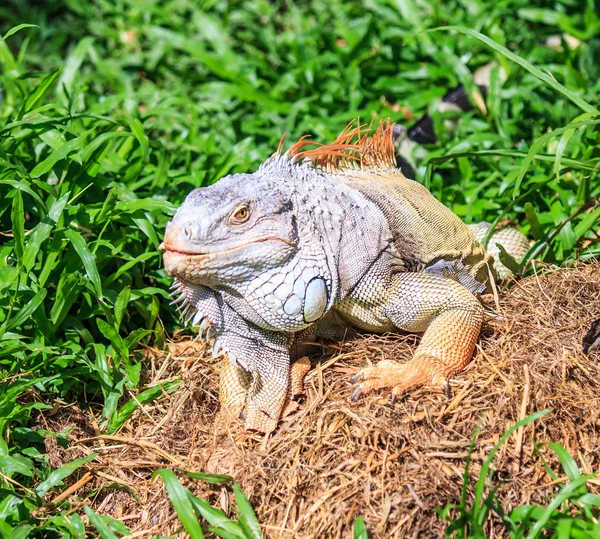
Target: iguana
[{"x": 321, "y": 238}]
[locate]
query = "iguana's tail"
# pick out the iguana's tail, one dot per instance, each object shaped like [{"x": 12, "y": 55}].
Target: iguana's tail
[{"x": 514, "y": 243}]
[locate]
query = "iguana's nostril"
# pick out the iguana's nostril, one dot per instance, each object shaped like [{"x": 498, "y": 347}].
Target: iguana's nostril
[{"x": 187, "y": 231}]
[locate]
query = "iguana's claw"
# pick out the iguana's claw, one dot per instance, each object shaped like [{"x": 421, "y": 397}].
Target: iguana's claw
[
  {"x": 357, "y": 391},
  {"x": 357, "y": 378}
]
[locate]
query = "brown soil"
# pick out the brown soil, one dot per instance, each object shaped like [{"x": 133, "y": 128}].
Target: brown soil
[{"x": 333, "y": 460}]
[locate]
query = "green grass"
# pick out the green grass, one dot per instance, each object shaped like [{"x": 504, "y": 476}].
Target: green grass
[
  {"x": 572, "y": 512},
  {"x": 188, "y": 508},
  {"x": 111, "y": 112}
]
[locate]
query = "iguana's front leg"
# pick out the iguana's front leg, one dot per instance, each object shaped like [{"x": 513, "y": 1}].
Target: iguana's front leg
[
  {"x": 451, "y": 318},
  {"x": 258, "y": 379},
  {"x": 270, "y": 383},
  {"x": 265, "y": 356},
  {"x": 236, "y": 392}
]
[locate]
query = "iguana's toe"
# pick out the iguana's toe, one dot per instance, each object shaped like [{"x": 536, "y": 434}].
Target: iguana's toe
[
  {"x": 401, "y": 377},
  {"x": 257, "y": 419},
  {"x": 298, "y": 371},
  {"x": 233, "y": 389}
]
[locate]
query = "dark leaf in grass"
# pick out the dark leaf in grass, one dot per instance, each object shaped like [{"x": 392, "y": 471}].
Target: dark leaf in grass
[
  {"x": 508, "y": 260},
  {"x": 87, "y": 258},
  {"x": 38, "y": 92},
  {"x": 534, "y": 224},
  {"x": 18, "y": 224},
  {"x": 42, "y": 231}
]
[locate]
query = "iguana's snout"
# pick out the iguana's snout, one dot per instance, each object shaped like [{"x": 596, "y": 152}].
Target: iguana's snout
[{"x": 225, "y": 232}]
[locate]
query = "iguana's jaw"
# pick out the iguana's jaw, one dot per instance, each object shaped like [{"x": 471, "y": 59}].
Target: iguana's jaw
[
  {"x": 172, "y": 246},
  {"x": 213, "y": 264}
]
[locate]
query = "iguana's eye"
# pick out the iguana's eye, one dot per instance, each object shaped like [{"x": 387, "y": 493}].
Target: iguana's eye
[{"x": 241, "y": 214}]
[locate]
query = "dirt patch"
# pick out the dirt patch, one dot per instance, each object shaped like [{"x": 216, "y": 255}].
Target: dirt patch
[{"x": 333, "y": 460}]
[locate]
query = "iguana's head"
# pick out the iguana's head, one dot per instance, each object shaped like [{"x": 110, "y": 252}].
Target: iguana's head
[{"x": 230, "y": 231}]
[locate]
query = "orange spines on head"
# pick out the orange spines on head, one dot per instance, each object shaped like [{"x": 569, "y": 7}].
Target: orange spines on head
[{"x": 354, "y": 149}]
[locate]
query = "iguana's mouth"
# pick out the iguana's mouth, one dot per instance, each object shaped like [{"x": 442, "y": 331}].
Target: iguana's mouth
[{"x": 193, "y": 254}]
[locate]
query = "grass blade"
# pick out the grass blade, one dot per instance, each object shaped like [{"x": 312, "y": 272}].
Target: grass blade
[
  {"x": 567, "y": 461},
  {"x": 360, "y": 530},
  {"x": 15, "y": 29},
  {"x": 98, "y": 523},
  {"x": 73, "y": 63},
  {"x": 508, "y": 260},
  {"x": 87, "y": 258},
  {"x": 38, "y": 92},
  {"x": 534, "y": 224},
  {"x": 27, "y": 310},
  {"x": 57, "y": 155},
  {"x": 18, "y": 224},
  {"x": 42, "y": 231},
  {"x": 113, "y": 336},
  {"x": 138, "y": 131},
  {"x": 483, "y": 475},
  {"x": 566, "y": 492},
  {"x": 61, "y": 473},
  {"x": 220, "y": 523},
  {"x": 541, "y": 142},
  {"x": 246, "y": 514},
  {"x": 535, "y": 71},
  {"x": 179, "y": 498},
  {"x": 560, "y": 150},
  {"x": 150, "y": 394},
  {"x": 212, "y": 478}
]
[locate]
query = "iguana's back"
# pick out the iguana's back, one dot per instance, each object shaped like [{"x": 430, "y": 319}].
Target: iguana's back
[{"x": 424, "y": 230}]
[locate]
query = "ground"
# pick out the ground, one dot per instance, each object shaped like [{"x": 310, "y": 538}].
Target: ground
[{"x": 333, "y": 460}]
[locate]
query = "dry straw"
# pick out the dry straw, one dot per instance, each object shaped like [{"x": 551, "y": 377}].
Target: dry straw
[{"x": 333, "y": 460}]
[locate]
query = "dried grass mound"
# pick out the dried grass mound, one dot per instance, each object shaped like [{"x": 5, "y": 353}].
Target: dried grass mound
[{"x": 333, "y": 460}]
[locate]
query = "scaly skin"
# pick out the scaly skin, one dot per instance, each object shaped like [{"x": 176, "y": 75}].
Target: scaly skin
[
  {"x": 315, "y": 241},
  {"x": 235, "y": 387}
]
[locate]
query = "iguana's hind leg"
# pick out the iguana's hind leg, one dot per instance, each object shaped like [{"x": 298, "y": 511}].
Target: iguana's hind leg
[{"x": 451, "y": 318}]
